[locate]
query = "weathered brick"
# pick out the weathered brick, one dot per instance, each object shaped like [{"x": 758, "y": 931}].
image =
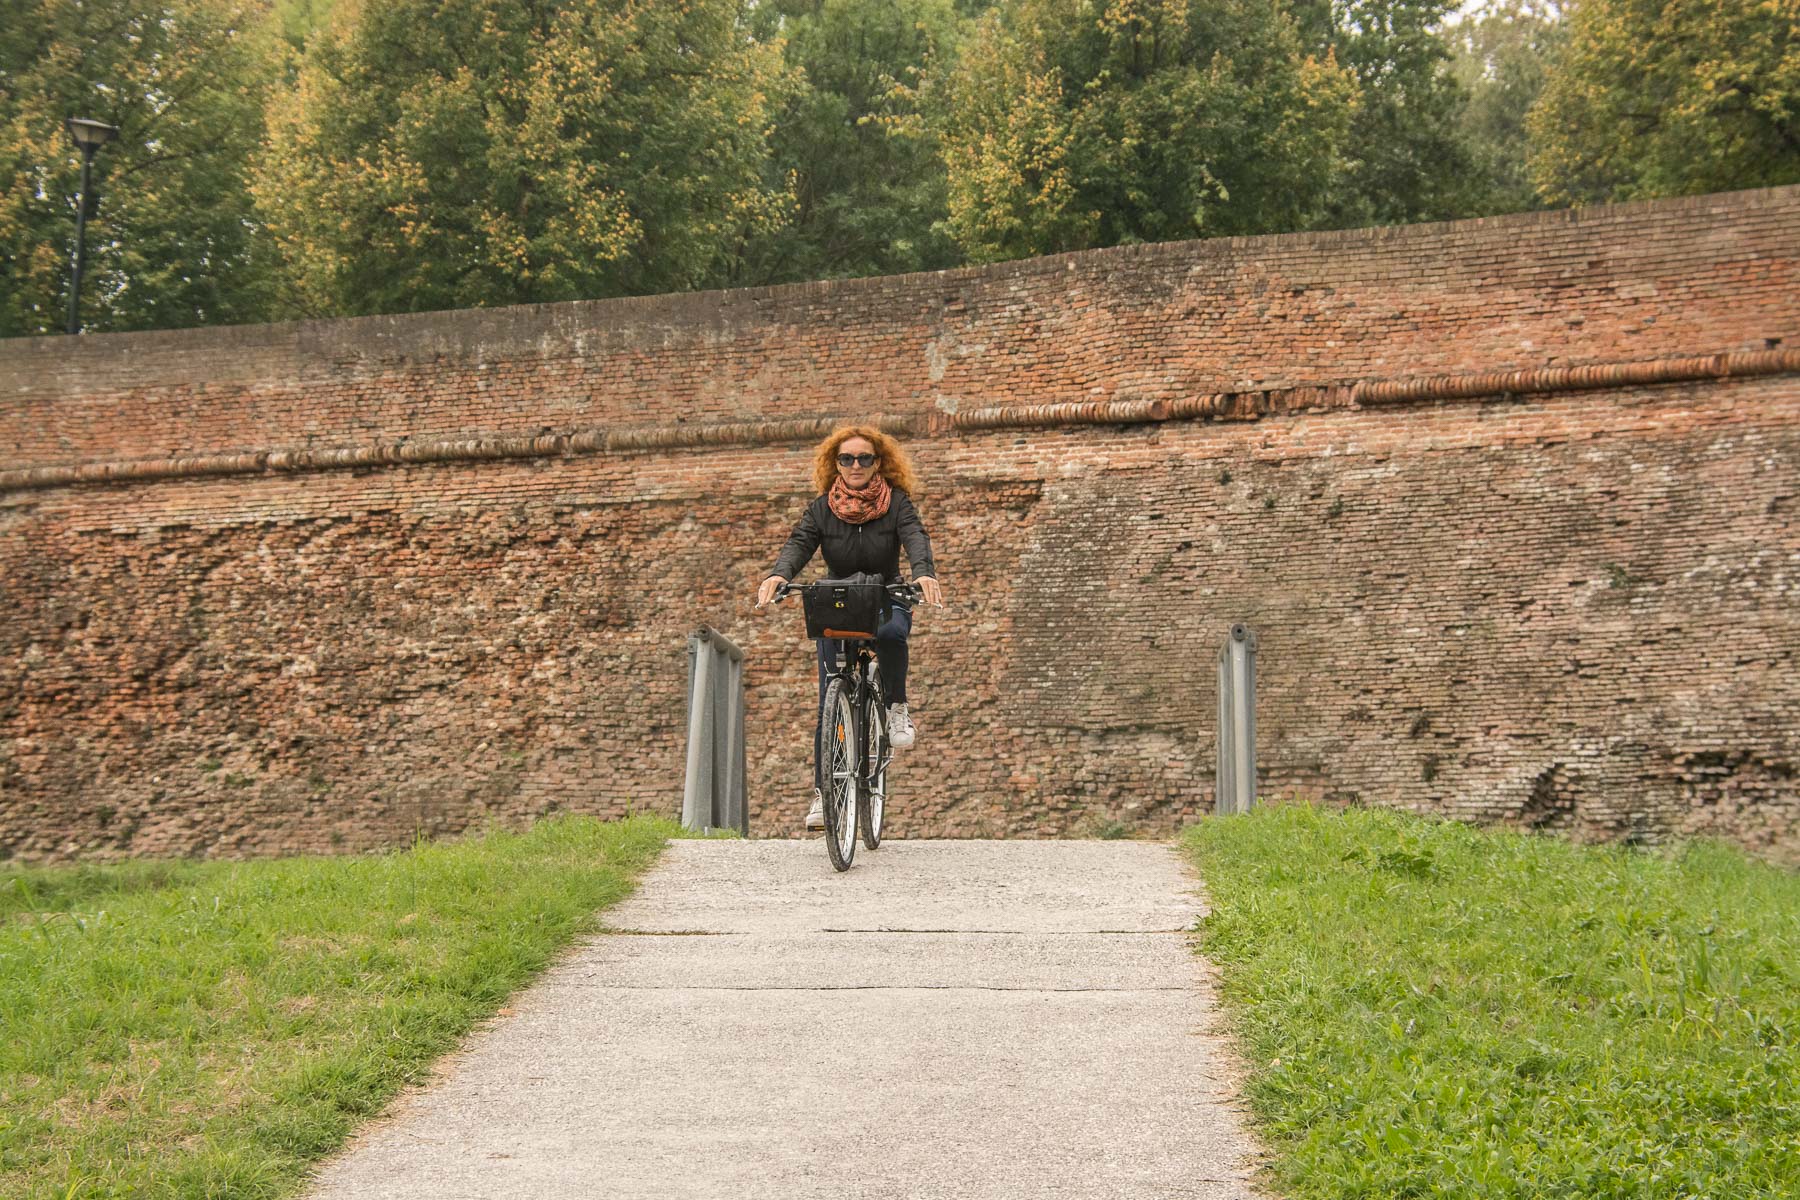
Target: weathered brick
[{"x": 1572, "y": 609}]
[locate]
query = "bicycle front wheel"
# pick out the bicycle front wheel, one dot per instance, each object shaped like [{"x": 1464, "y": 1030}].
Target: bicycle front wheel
[{"x": 838, "y": 768}]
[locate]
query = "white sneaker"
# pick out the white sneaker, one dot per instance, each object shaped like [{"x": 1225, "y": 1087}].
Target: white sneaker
[
  {"x": 900, "y": 726},
  {"x": 815, "y": 816}
]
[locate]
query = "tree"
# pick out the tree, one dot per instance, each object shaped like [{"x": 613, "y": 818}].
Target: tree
[
  {"x": 1670, "y": 97},
  {"x": 1405, "y": 158},
  {"x": 459, "y": 153},
  {"x": 1503, "y": 55},
  {"x": 866, "y": 202},
  {"x": 300, "y": 19},
  {"x": 173, "y": 240},
  {"x": 1067, "y": 125}
]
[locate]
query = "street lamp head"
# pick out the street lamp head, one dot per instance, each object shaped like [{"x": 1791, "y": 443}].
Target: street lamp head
[{"x": 90, "y": 135}]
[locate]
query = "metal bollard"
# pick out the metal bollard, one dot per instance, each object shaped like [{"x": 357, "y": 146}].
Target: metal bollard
[
  {"x": 1236, "y": 788},
  {"x": 714, "y": 794}
]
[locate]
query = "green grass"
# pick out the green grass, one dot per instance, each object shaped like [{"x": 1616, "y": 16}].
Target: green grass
[
  {"x": 208, "y": 1029},
  {"x": 1432, "y": 1010}
]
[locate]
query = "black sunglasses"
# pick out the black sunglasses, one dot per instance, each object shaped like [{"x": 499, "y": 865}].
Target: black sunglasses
[{"x": 856, "y": 460}]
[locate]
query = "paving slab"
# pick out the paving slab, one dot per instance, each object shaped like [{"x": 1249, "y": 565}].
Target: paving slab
[
  {"x": 946, "y": 1019},
  {"x": 944, "y": 886},
  {"x": 1004, "y": 961}
]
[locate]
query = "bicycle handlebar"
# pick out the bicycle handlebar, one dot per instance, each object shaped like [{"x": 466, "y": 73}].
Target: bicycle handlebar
[{"x": 908, "y": 591}]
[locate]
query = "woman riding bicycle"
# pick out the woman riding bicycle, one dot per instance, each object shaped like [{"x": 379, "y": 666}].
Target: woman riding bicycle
[{"x": 862, "y": 517}]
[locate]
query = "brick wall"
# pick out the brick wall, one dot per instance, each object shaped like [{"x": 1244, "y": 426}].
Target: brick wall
[{"x": 1565, "y": 599}]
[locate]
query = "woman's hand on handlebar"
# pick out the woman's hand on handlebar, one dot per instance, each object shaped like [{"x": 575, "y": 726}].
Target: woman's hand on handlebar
[
  {"x": 930, "y": 590},
  {"x": 768, "y": 590}
]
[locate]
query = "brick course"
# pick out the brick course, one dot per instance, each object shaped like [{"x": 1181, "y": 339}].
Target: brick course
[{"x": 1568, "y": 609}]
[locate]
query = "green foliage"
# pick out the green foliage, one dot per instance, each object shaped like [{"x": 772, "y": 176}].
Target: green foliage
[
  {"x": 1670, "y": 97},
  {"x": 1502, "y": 58},
  {"x": 171, "y": 241},
  {"x": 210, "y": 1029},
  {"x": 1434, "y": 1010},
  {"x": 312, "y": 157},
  {"x": 1067, "y": 125},
  {"x": 1404, "y": 156},
  {"x": 300, "y": 19},
  {"x": 866, "y": 202},
  {"x": 460, "y": 153}
]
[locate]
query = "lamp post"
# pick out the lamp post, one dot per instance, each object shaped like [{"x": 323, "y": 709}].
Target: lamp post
[{"x": 90, "y": 136}]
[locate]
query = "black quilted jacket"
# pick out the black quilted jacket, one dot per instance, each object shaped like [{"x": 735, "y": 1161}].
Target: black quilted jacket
[{"x": 872, "y": 547}]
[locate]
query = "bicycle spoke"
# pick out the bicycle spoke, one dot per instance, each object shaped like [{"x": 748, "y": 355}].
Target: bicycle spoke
[{"x": 838, "y": 777}]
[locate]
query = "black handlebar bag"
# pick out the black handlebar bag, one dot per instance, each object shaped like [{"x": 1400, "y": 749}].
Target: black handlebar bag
[{"x": 853, "y": 607}]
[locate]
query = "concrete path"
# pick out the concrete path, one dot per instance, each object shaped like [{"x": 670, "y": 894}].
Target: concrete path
[{"x": 947, "y": 1019}]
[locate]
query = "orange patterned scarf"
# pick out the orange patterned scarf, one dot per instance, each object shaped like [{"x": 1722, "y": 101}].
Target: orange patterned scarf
[{"x": 862, "y": 505}]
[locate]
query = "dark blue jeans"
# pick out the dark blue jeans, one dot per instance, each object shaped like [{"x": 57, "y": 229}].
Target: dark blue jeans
[{"x": 890, "y": 653}]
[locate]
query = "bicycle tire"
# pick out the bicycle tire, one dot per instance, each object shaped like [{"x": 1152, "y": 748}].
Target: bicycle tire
[
  {"x": 876, "y": 754},
  {"x": 838, "y": 770}
]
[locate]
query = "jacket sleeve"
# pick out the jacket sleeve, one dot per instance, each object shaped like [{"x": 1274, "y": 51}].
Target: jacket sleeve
[
  {"x": 912, "y": 536},
  {"x": 799, "y": 549}
]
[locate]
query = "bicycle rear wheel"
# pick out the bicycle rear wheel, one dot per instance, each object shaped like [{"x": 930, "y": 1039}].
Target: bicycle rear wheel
[
  {"x": 838, "y": 769},
  {"x": 876, "y": 753}
]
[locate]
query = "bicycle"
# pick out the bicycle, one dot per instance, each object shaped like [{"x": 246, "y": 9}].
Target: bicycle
[{"x": 853, "y": 750}]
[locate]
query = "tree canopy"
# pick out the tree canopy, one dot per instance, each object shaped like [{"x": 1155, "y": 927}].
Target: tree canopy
[
  {"x": 1404, "y": 157},
  {"x": 865, "y": 202},
  {"x": 1066, "y": 125},
  {"x": 1502, "y": 56},
  {"x": 1670, "y": 97},
  {"x": 337, "y": 157},
  {"x": 173, "y": 239},
  {"x": 453, "y": 153}
]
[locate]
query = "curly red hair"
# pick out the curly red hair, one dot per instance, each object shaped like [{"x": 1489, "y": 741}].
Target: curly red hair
[{"x": 894, "y": 464}]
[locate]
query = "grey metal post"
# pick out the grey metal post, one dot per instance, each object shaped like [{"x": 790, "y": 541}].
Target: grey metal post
[
  {"x": 713, "y": 797},
  {"x": 1235, "y": 791},
  {"x": 81, "y": 207},
  {"x": 735, "y": 813},
  {"x": 1223, "y": 787},
  {"x": 697, "y": 797}
]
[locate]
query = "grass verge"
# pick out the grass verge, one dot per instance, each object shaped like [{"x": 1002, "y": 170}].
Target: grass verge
[
  {"x": 1434, "y": 1010},
  {"x": 210, "y": 1029}
]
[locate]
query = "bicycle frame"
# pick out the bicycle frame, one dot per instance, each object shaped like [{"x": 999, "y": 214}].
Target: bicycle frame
[
  {"x": 854, "y": 676},
  {"x": 855, "y": 662}
]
